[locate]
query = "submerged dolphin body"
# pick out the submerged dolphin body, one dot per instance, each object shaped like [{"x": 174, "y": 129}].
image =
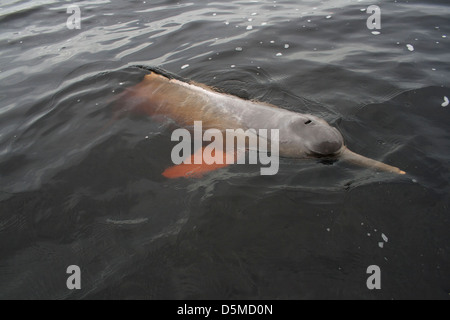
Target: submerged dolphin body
[{"x": 300, "y": 135}]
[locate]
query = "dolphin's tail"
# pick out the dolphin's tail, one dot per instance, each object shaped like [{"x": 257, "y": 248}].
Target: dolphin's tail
[{"x": 360, "y": 160}]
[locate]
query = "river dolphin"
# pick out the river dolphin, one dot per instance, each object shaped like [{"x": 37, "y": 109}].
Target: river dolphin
[{"x": 300, "y": 135}]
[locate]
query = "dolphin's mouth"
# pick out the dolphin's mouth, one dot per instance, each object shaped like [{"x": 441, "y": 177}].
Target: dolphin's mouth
[{"x": 330, "y": 156}]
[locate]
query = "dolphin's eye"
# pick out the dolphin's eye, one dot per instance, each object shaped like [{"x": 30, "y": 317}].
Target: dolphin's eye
[{"x": 308, "y": 121}]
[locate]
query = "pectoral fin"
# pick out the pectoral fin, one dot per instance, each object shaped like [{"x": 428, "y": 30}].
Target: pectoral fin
[{"x": 192, "y": 170}]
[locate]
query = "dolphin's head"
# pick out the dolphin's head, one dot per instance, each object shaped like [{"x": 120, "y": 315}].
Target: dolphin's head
[{"x": 310, "y": 135}]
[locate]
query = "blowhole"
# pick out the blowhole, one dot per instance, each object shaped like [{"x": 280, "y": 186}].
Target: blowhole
[{"x": 308, "y": 121}]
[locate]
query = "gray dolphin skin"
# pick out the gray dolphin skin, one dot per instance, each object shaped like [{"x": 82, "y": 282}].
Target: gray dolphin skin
[{"x": 300, "y": 135}]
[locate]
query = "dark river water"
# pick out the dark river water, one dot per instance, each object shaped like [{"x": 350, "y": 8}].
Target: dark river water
[{"x": 81, "y": 187}]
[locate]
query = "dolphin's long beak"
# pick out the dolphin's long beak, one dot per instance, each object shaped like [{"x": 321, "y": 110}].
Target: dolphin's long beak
[{"x": 360, "y": 160}]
